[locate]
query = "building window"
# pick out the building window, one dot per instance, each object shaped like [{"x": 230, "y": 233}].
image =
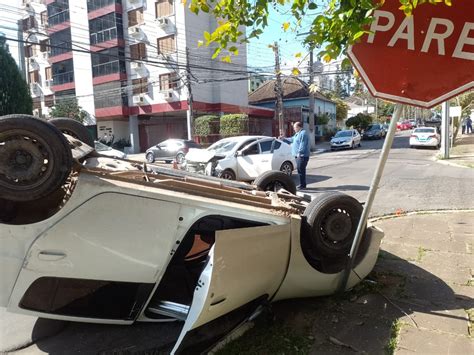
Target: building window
[
  {"x": 49, "y": 100},
  {"x": 48, "y": 73},
  {"x": 138, "y": 51},
  {"x": 164, "y": 8},
  {"x": 168, "y": 82},
  {"x": 44, "y": 18},
  {"x": 135, "y": 17},
  {"x": 60, "y": 42},
  {"x": 166, "y": 45},
  {"x": 93, "y": 5},
  {"x": 44, "y": 45},
  {"x": 106, "y": 28},
  {"x": 140, "y": 86},
  {"x": 29, "y": 23},
  {"x": 107, "y": 62},
  {"x": 34, "y": 76},
  {"x": 110, "y": 94},
  {"x": 28, "y": 51},
  {"x": 63, "y": 72}
]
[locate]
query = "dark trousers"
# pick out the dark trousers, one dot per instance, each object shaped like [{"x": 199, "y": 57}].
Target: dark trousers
[{"x": 301, "y": 166}]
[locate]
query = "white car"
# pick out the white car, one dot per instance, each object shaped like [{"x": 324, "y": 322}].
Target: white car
[
  {"x": 425, "y": 137},
  {"x": 349, "y": 138},
  {"x": 104, "y": 149},
  {"x": 95, "y": 239},
  {"x": 241, "y": 158}
]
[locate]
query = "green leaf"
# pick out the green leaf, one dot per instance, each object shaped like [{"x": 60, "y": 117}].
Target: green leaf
[
  {"x": 216, "y": 53},
  {"x": 312, "y": 6},
  {"x": 207, "y": 36},
  {"x": 358, "y": 35},
  {"x": 226, "y": 59},
  {"x": 285, "y": 26},
  {"x": 200, "y": 43},
  {"x": 295, "y": 71}
]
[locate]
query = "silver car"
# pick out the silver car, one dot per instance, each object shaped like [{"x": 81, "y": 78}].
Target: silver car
[{"x": 349, "y": 138}]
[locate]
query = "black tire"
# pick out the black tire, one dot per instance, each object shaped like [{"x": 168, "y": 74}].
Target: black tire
[
  {"x": 330, "y": 224},
  {"x": 74, "y": 129},
  {"x": 180, "y": 158},
  {"x": 150, "y": 157},
  {"x": 35, "y": 158},
  {"x": 287, "y": 168},
  {"x": 273, "y": 180},
  {"x": 227, "y": 174}
]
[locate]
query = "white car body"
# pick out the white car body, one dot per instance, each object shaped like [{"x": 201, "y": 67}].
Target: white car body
[
  {"x": 104, "y": 149},
  {"x": 425, "y": 137},
  {"x": 245, "y": 157},
  {"x": 73, "y": 265},
  {"x": 349, "y": 138}
]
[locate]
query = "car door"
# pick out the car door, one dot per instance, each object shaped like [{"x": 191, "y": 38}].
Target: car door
[
  {"x": 245, "y": 267},
  {"x": 248, "y": 159},
  {"x": 355, "y": 137},
  {"x": 160, "y": 150},
  {"x": 267, "y": 159}
]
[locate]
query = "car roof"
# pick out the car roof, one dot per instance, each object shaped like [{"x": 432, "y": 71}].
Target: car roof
[{"x": 241, "y": 138}]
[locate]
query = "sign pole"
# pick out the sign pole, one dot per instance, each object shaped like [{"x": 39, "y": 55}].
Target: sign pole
[
  {"x": 445, "y": 129},
  {"x": 370, "y": 197}
]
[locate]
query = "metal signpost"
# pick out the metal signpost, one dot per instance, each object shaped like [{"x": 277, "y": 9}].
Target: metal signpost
[{"x": 430, "y": 61}]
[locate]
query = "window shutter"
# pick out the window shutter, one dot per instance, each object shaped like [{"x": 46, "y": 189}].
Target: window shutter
[
  {"x": 134, "y": 51},
  {"x": 48, "y": 73},
  {"x": 142, "y": 50},
  {"x": 132, "y": 18},
  {"x": 44, "y": 18}
]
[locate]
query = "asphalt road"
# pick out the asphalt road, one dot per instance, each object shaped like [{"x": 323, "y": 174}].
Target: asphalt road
[{"x": 412, "y": 179}]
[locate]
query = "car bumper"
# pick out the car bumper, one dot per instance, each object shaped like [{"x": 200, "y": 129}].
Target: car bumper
[
  {"x": 428, "y": 143},
  {"x": 341, "y": 146}
]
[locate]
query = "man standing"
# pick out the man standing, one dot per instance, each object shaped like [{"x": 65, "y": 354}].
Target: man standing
[{"x": 300, "y": 150}]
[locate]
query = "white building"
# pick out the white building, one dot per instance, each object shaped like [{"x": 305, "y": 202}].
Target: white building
[{"x": 126, "y": 62}]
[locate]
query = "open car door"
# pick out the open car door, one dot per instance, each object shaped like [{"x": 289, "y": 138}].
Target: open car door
[{"x": 245, "y": 268}]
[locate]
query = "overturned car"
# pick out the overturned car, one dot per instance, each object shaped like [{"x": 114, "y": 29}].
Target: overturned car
[{"x": 96, "y": 239}]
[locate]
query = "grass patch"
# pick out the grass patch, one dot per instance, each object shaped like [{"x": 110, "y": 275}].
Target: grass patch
[
  {"x": 421, "y": 253},
  {"x": 269, "y": 337},
  {"x": 394, "y": 333}
]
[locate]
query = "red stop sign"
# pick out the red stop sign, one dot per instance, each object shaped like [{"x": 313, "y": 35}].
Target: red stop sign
[{"x": 421, "y": 60}]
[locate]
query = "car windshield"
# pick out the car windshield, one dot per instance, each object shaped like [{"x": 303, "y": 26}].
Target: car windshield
[
  {"x": 372, "y": 127},
  {"x": 222, "y": 147},
  {"x": 343, "y": 134},
  {"x": 424, "y": 130},
  {"x": 100, "y": 147}
]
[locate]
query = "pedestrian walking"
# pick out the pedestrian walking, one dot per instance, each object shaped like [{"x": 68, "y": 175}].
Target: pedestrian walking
[
  {"x": 468, "y": 125},
  {"x": 300, "y": 148},
  {"x": 463, "y": 125}
]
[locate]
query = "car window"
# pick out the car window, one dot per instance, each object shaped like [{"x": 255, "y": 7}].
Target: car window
[
  {"x": 276, "y": 145},
  {"x": 101, "y": 147},
  {"x": 251, "y": 150},
  {"x": 424, "y": 130},
  {"x": 266, "y": 146},
  {"x": 343, "y": 134},
  {"x": 222, "y": 147}
]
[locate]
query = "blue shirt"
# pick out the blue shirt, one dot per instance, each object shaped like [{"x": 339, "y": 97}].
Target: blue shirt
[{"x": 299, "y": 144}]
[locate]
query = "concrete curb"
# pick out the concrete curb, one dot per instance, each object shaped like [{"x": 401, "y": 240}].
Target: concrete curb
[{"x": 420, "y": 212}]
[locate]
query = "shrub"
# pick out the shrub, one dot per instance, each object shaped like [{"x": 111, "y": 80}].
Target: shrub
[
  {"x": 204, "y": 125},
  {"x": 234, "y": 124},
  {"x": 359, "y": 121},
  {"x": 322, "y": 119}
]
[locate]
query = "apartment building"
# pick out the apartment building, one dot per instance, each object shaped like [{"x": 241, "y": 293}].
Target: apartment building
[{"x": 128, "y": 63}]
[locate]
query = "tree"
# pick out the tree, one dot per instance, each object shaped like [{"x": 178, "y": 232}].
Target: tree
[
  {"x": 336, "y": 24},
  {"x": 360, "y": 121},
  {"x": 341, "y": 107},
  {"x": 15, "y": 95},
  {"x": 69, "y": 108},
  {"x": 339, "y": 89}
]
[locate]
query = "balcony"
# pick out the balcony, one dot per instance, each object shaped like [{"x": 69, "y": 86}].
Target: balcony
[
  {"x": 108, "y": 68},
  {"x": 93, "y": 5},
  {"x": 60, "y": 48},
  {"x": 104, "y": 35},
  {"x": 58, "y": 18},
  {"x": 63, "y": 78}
]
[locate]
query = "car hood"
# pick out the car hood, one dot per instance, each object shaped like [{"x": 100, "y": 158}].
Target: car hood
[
  {"x": 202, "y": 155},
  {"x": 341, "y": 139}
]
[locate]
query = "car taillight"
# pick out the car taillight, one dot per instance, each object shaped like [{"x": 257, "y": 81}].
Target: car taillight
[{"x": 432, "y": 136}]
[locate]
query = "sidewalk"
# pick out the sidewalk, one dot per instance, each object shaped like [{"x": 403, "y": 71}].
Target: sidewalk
[
  {"x": 417, "y": 300},
  {"x": 462, "y": 154}
]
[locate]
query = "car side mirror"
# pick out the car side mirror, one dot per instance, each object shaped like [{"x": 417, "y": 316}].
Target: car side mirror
[{"x": 239, "y": 153}]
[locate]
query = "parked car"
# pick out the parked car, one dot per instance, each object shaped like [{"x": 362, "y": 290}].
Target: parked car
[
  {"x": 425, "y": 137},
  {"x": 349, "y": 138},
  {"x": 374, "y": 131},
  {"x": 112, "y": 243},
  {"x": 169, "y": 150},
  {"x": 104, "y": 149},
  {"x": 241, "y": 158},
  {"x": 403, "y": 126},
  {"x": 413, "y": 124}
]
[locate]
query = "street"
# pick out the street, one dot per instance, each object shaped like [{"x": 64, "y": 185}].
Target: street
[{"x": 412, "y": 179}]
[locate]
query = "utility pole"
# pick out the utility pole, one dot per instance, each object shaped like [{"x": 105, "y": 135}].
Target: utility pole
[
  {"x": 278, "y": 92},
  {"x": 311, "y": 101},
  {"x": 445, "y": 129},
  {"x": 189, "y": 113}
]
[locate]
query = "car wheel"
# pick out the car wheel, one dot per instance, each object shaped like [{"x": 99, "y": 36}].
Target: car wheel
[
  {"x": 35, "y": 158},
  {"x": 180, "y": 158},
  {"x": 287, "y": 168},
  {"x": 359, "y": 145},
  {"x": 150, "y": 157},
  {"x": 332, "y": 149},
  {"x": 330, "y": 223},
  {"x": 227, "y": 175},
  {"x": 275, "y": 180},
  {"x": 74, "y": 129}
]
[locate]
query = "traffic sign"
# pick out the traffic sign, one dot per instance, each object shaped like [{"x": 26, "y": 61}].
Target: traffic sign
[{"x": 421, "y": 60}]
